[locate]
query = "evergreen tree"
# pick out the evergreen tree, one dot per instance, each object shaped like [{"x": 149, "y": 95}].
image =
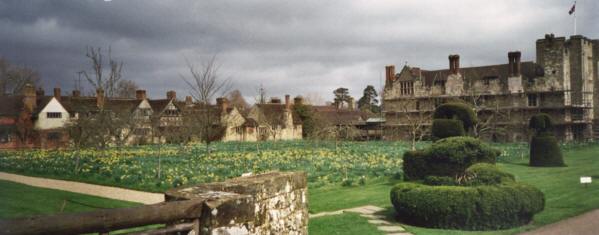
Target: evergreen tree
[
  {"x": 341, "y": 95},
  {"x": 369, "y": 102}
]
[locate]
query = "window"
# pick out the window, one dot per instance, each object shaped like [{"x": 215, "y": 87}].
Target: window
[
  {"x": 239, "y": 130},
  {"x": 54, "y": 115},
  {"x": 262, "y": 130},
  {"x": 487, "y": 80},
  {"x": 532, "y": 100},
  {"x": 417, "y": 105},
  {"x": 53, "y": 136},
  {"x": 4, "y": 136},
  {"x": 406, "y": 88}
]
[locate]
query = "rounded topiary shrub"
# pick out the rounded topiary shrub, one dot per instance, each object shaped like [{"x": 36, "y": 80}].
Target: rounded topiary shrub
[
  {"x": 486, "y": 174},
  {"x": 447, "y": 157},
  {"x": 545, "y": 151},
  {"x": 458, "y": 111},
  {"x": 443, "y": 128},
  {"x": 471, "y": 208}
]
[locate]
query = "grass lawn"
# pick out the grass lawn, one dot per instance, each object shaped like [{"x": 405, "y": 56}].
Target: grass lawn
[
  {"x": 19, "y": 200},
  {"x": 343, "y": 224},
  {"x": 564, "y": 195}
]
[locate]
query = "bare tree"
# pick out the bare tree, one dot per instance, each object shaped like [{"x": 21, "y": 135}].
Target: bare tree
[
  {"x": 204, "y": 84},
  {"x": 98, "y": 80},
  {"x": 126, "y": 89},
  {"x": 236, "y": 99},
  {"x": 416, "y": 119},
  {"x": 13, "y": 78}
]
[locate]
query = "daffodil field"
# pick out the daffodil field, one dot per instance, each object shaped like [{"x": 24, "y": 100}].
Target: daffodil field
[{"x": 157, "y": 168}]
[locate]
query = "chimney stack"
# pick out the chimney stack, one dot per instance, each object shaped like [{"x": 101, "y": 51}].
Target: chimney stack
[
  {"x": 76, "y": 93},
  {"x": 29, "y": 99},
  {"x": 100, "y": 98},
  {"x": 298, "y": 100},
  {"x": 517, "y": 55},
  {"x": 287, "y": 102},
  {"x": 510, "y": 58},
  {"x": 389, "y": 74},
  {"x": 140, "y": 94},
  {"x": 57, "y": 93},
  {"x": 171, "y": 95},
  {"x": 222, "y": 103},
  {"x": 514, "y": 63},
  {"x": 454, "y": 64},
  {"x": 188, "y": 101}
]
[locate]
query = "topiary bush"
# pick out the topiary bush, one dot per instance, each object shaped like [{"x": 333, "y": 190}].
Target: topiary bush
[
  {"x": 443, "y": 128},
  {"x": 447, "y": 157},
  {"x": 486, "y": 174},
  {"x": 457, "y": 111},
  {"x": 439, "y": 180},
  {"x": 471, "y": 208},
  {"x": 544, "y": 149}
]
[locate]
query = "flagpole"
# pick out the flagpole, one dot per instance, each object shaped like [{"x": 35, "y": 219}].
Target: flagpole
[{"x": 574, "y": 18}]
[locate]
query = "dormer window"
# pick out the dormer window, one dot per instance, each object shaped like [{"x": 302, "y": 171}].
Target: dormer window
[{"x": 53, "y": 115}]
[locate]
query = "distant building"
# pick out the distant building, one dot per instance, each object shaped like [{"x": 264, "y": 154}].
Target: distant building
[
  {"x": 560, "y": 83},
  {"x": 275, "y": 121}
]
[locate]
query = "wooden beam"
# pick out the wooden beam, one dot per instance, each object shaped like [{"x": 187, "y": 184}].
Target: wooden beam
[{"x": 105, "y": 220}]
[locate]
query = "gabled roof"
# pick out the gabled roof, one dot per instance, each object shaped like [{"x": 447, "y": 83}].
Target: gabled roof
[{"x": 159, "y": 105}]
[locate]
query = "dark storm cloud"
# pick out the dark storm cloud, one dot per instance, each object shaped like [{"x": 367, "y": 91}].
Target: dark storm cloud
[{"x": 289, "y": 47}]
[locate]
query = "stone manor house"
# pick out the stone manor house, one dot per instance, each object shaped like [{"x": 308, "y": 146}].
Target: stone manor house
[{"x": 561, "y": 82}]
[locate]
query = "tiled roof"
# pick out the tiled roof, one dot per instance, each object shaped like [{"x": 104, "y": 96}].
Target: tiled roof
[
  {"x": 274, "y": 113},
  {"x": 340, "y": 116}
]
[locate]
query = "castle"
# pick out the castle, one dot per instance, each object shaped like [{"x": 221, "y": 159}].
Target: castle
[{"x": 560, "y": 83}]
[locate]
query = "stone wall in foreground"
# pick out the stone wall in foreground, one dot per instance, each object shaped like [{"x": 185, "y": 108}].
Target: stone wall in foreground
[{"x": 270, "y": 203}]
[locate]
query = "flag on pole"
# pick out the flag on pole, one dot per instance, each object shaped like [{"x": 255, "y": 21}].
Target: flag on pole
[{"x": 572, "y": 9}]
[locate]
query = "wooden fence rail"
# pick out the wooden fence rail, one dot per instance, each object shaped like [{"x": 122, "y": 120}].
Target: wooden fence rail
[{"x": 106, "y": 220}]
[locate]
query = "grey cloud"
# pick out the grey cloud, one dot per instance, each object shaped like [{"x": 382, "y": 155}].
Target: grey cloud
[{"x": 290, "y": 47}]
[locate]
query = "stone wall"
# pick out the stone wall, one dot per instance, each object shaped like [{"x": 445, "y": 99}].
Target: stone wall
[{"x": 270, "y": 203}]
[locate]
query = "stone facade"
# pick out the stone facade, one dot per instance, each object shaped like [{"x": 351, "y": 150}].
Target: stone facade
[
  {"x": 561, "y": 83},
  {"x": 270, "y": 203}
]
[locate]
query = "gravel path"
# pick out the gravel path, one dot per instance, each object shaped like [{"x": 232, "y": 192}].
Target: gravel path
[
  {"x": 89, "y": 189},
  {"x": 578, "y": 225}
]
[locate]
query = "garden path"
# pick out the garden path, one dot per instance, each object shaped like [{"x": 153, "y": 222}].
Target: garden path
[
  {"x": 580, "y": 225},
  {"x": 89, "y": 189},
  {"x": 369, "y": 212}
]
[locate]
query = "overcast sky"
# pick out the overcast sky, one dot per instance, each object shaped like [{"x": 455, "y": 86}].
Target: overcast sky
[{"x": 298, "y": 47}]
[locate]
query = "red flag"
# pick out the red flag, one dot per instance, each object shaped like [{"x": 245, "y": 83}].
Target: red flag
[{"x": 572, "y": 9}]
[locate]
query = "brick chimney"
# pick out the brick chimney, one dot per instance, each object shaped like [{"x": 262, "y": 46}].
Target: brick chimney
[
  {"x": 188, "y": 101},
  {"x": 517, "y": 66},
  {"x": 454, "y": 64},
  {"x": 76, "y": 93},
  {"x": 100, "y": 98},
  {"x": 222, "y": 103},
  {"x": 57, "y": 93},
  {"x": 29, "y": 97},
  {"x": 140, "y": 94},
  {"x": 287, "y": 102},
  {"x": 514, "y": 63},
  {"x": 389, "y": 74},
  {"x": 298, "y": 100},
  {"x": 171, "y": 95},
  {"x": 510, "y": 58}
]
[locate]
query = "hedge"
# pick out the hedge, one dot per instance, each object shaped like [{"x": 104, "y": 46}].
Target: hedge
[
  {"x": 468, "y": 208},
  {"x": 447, "y": 157},
  {"x": 544, "y": 151},
  {"x": 459, "y": 111},
  {"x": 443, "y": 128}
]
